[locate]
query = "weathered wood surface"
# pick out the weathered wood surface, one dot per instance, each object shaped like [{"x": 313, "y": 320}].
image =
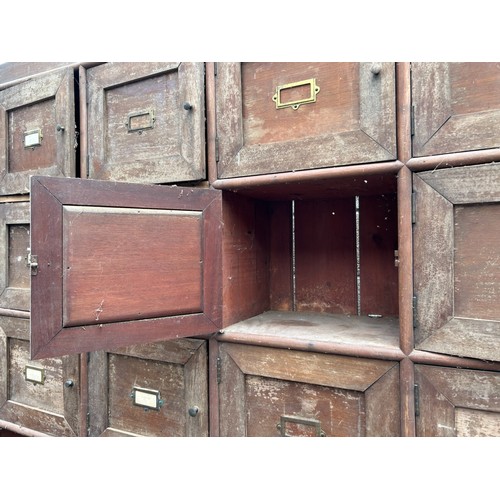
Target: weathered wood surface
[
  {"x": 457, "y": 402},
  {"x": 456, "y": 241},
  {"x": 342, "y": 395},
  {"x": 14, "y": 244},
  {"x": 177, "y": 369},
  {"x": 41, "y": 103},
  {"x": 352, "y": 121},
  {"x": 140, "y": 130},
  {"x": 457, "y": 107}
]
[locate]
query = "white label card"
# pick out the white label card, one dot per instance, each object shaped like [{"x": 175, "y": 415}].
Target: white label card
[
  {"x": 33, "y": 374},
  {"x": 32, "y": 138},
  {"x": 146, "y": 398}
]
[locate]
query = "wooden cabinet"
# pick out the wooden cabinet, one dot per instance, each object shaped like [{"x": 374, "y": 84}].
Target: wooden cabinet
[
  {"x": 280, "y": 117},
  {"x": 266, "y": 392},
  {"x": 146, "y": 122},
  {"x": 158, "y": 389},
  {"x": 337, "y": 275},
  {"x": 456, "y": 256},
  {"x": 457, "y": 402},
  {"x": 37, "y": 130},
  {"x": 456, "y": 106}
]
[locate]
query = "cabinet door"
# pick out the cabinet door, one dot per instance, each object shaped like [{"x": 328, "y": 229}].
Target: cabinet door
[
  {"x": 158, "y": 389},
  {"x": 14, "y": 249},
  {"x": 43, "y": 396},
  {"x": 37, "y": 130},
  {"x": 269, "y": 392},
  {"x": 456, "y": 107},
  {"x": 278, "y": 117},
  {"x": 120, "y": 264},
  {"x": 456, "y": 256},
  {"x": 146, "y": 122},
  {"x": 457, "y": 402}
]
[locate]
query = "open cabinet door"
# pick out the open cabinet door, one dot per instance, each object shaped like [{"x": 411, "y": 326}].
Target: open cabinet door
[{"x": 116, "y": 264}]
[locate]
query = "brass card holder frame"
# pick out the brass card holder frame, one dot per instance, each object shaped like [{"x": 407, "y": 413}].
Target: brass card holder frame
[
  {"x": 146, "y": 124},
  {"x": 284, "y": 419},
  {"x": 34, "y": 374},
  {"x": 314, "y": 89},
  {"x": 149, "y": 399},
  {"x": 33, "y": 138}
]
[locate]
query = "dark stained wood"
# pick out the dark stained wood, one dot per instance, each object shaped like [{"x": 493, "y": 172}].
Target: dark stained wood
[
  {"x": 15, "y": 241},
  {"x": 264, "y": 387},
  {"x": 457, "y": 297},
  {"x": 40, "y": 103},
  {"x": 377, "y": 178},
  {"x": 177, "y": 369},
  {"x": 407, "y": 377},
  {"x": 457, "y": 107},
  {"x": 51, "y": 199},
  {"x": 455, "y": 402},
  {"x": 378, "y": 219},
  {"x": 49, "y": 408},
  {"x": 325, "y": 262},
  {"x": 245, "y": 261},
  {"x": 140, "y": 131},
  {"x": 351, "y": 122}
]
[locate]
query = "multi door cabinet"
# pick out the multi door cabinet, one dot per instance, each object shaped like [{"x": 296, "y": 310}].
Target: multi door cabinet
[{"x": 322, "y": 282}]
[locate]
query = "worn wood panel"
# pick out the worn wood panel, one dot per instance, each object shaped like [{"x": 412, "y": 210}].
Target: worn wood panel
[
  {"x": 177, "y": 369},
  {"x": 11, "y": 71},
  {"x": 245, "y": 258},
  {"x": 383, "y": 398},
  {"x": 15, "y": 241},
  {"x": 456, "y": 105},
  {"x": 49, "y": 408},
  {"x": 261, "y": 388},
  {"x": 477, "y": 261},
  {"x": 115, "y": 265},
  {"x": 16, "y": 327},
  {"x": 141, "y": 131},
  {"x": 378, "y": 239},
  {"x": 476, "y": 423},
  {"x": 468, "y": 398},
  {"x": 338, "y": 412},
  {"x": 52, "y": 200},
  {"x": 352, "y": 120},
  {"x": 455, "y": 282},
  {"x": 325, "y": 256},
  {"x": 41, "y": 103}
]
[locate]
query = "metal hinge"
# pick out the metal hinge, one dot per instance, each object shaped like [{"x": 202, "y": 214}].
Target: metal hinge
[
  {"x": 412, "y": 120},
  {"x": 216, "y": 149},
  {"x": 219, "y": 362},
  {"x": 215, "y": 69},
  {"x": 413, "y": 207},
  {"x": 88, "y": 423},
  {"x": 416, "y": 393},
  {"x": 415, "y": 302}
]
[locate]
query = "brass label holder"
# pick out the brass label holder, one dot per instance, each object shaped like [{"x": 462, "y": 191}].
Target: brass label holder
[
  {"x": 33, "y": 138},
  {"x": 34, "y": 374},
  {"x": 288, "y": 419},
  {"x": 313, "y": 91},
  {"x": 148, "y": 399},
  {"x": 141, "y": 120}
]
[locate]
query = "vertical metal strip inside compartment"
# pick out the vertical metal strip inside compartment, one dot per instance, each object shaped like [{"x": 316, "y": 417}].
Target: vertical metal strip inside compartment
[
  {"x": 294, "y": 286},
  {"x": 358, "y": 260}
]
